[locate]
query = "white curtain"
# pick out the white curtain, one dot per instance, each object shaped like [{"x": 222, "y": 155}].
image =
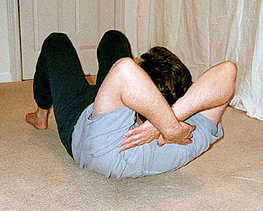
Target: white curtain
[{"x": 203, "y": 33}]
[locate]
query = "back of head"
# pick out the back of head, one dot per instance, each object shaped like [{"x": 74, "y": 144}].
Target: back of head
[{"x": 168, "y": 73}]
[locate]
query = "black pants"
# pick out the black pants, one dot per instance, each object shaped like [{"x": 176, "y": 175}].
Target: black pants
[{"x": 60, "y": 81}]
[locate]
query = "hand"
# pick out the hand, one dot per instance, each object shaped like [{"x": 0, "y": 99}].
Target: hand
[
  {"x": 182, "y": 137},
  {"x": 137, "y": 136}
]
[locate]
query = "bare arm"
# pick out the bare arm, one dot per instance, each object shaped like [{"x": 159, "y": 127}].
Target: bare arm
[
  {"x": 210, "y": 95},
  {"x": 128, "y": 85}
]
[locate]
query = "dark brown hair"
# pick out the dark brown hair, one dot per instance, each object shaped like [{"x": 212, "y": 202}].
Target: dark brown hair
[{"x": 168, "y": 73}]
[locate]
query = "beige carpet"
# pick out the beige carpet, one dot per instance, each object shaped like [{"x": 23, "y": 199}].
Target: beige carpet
[{"x": 37, "y": 174}]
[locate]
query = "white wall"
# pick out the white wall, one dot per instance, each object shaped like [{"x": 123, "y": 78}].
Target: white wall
[
  {"x": 5, "y": 75},
  {"x": 131, "y": 23}
]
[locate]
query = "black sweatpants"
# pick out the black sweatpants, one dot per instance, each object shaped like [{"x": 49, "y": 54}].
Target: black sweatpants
[{"x": 60, "y": 81}]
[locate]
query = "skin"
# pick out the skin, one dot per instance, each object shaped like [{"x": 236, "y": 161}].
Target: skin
[{"x": 39, "y": 118}]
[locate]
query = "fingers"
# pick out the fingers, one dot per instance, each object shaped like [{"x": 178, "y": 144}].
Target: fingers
[
  {"x": 128, "y": 140},
  {"x": 193, "y": 127},
  {"x": 131, "y": 132},
  {"x": 187, "y": 126},
  {"x": 132, "y": 144},
  {"x": 134, "y": 140},
  {"x": 184, "y": 142},
  {"x": 137, "y": 136},
  {"x": 188, "y": 131},
  {"x": 131, "y": 136},
  {"x": 187, "y": 141}
]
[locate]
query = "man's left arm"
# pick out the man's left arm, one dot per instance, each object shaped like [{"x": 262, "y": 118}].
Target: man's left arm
[
  {"x": 146, "y": 133},
  {"x": 137, "y": 136}
]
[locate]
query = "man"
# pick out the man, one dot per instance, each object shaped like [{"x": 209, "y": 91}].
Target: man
[{"x": 103, "y": 136}]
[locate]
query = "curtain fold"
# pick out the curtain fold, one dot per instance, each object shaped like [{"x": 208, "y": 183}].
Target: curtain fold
[
  {"x": 204, "y": 33},
  {"x": 249, "y": 96}
]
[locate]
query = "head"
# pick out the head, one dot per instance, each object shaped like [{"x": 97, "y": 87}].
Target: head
[{"x": 168, "y": 73}]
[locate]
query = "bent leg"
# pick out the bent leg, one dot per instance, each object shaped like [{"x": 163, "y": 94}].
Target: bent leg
[
  {"x": 113, "y": 46},
  {"x": 59, "y": 77},
  {"x": 58, "y": 73},
  {"x": 210, "y": 94},
  {"x": 60, "y": 81}
]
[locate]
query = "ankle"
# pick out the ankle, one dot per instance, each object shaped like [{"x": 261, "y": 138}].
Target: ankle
[{"x": 42, "y": 113}]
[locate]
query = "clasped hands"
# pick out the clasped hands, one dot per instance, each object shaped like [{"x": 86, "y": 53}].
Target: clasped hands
[{"x": 146, "y": 133}]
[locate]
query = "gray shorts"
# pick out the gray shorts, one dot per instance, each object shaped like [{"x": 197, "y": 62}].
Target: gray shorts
[{"x": 95, "y": 145}]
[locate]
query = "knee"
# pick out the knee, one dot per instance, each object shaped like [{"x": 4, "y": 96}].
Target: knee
[
  {"x": 55, "y": 38},
  {"x": 113, "y": 37},
  {"x": 112, "y": 34}
]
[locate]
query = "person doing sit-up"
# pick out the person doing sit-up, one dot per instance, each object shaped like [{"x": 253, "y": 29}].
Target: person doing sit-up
[{"x": 139, "y": 119}]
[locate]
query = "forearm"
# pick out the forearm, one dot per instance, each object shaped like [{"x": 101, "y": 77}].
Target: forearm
[
  {"x": 212, "y": 89},
  {"x": 165, "y": 122}
]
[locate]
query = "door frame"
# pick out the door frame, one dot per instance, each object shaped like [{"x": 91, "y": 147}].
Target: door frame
[
  {"x": 15, "y": 51},
  {"x": 14, "y": 40}
]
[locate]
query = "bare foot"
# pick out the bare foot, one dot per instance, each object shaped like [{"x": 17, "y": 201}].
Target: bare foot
[{"x": 38, "y": 119}]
